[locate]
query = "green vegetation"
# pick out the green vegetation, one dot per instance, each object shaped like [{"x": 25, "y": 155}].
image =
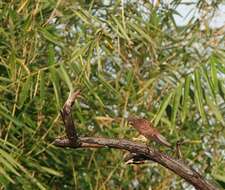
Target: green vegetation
[{"x": 128, "y": 58}]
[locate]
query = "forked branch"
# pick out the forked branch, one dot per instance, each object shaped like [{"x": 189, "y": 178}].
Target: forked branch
[{"x": 177, "y": 166}]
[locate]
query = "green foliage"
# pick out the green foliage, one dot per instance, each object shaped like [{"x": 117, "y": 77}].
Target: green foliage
[{"x": 128, "y": 58}]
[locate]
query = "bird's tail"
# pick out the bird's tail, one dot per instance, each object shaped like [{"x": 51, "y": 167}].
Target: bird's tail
[{"x": 161, "y": 139}]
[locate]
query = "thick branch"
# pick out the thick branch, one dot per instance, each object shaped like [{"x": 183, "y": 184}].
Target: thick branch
[{"x": 177, "y": 166}]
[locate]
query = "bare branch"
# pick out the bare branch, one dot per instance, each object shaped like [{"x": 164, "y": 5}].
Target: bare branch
[
  {"x": 177, "y": 166},
  {"x": 145, "y": 152},
  {"x": 67, "y": 117}
]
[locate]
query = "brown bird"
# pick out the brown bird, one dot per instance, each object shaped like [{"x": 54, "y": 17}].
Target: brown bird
[{"x": 146, "y": 129}]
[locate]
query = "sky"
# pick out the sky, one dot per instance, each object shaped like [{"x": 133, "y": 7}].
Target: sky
[{"x": 188, "y": 11}]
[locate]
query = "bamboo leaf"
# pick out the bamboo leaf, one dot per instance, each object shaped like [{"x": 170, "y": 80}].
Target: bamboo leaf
[
  {"x": 42, "y": 86},
  {"x": 5, "y": 113},
  {"x": 53, "y": 74},
  {"x": 215, "y": 110},
  {"x": 50, "y": 36},
  {"x": 219, "y": 177},
  {"x": 143, "y": 34},
  {"x": 199, "y": 95},
  {"x": 209, "y": 83},
  {"x": 51, "y": 171},
  {"x": 222, "y": 89},
  {"x": 2, "y": 171},
  {"x": 24, "y": 94},
  {"x": 8, "y": 157},
  {"x": 214, "y": 74},
  {"x": 82, "y": 17},
  {"x": 176, "y": 104},
  {"x": 162, "y": 108},
  {"x": 107, "y": 85},
  {"x": 9, "y": 166},
  {"x": 64, "y": 75},
  {"x": 121, "y": 29},
  {"x": 147, "y": 84},
  {"x": 186, "y": 98}
]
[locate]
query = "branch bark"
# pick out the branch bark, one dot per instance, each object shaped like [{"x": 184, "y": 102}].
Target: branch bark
[
  {"x": 177, "y": 166},
  {"x": 67, "y": 117}
]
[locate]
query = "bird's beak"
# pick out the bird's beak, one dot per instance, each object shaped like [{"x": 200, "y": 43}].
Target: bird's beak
[
  {"x": 117, "y": 119},
  {"x": 120, "y": 119}
]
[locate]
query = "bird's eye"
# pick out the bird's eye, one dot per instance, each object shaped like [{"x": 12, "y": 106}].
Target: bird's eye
[{"x": 130, "y": 122}]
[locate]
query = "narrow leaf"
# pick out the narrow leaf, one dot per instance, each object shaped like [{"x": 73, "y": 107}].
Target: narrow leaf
[
  {"x": 3, "y": 172},
  {"x": 214, "y": 74},
  {"x": 214, "y": 108},
  {"x": 199, "y": 95},
  {"x": 25, "y": 91},
  {"x": 5, "y": 113},
  {"x": 176, "y": 104},
  {"x": 51, "y": 171},
  {"x": 42, "y": 86},
  {"x": 53, "y": 75},
  {"x": 64, "y": 75},
  {"x": 162, "y": 108},
  {"x": 9, "y": 166},
  {"x": 50, "y": 36},
  {"x": 186, "y": 98}
]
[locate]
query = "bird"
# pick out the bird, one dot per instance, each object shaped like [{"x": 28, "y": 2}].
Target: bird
[{"x": 146, "y": 129}]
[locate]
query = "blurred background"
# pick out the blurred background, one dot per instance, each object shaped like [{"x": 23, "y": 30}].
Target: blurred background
[{"x": 159, "y": 60}]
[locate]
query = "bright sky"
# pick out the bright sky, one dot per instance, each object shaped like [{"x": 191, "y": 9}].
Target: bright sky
[{"x": 188, "y": 11}]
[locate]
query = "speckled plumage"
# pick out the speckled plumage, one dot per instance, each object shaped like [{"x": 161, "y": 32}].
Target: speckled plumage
[{"x": 146, "y": 129}]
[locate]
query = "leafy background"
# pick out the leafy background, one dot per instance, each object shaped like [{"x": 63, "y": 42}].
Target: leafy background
[{"x": 128, "y": 57}]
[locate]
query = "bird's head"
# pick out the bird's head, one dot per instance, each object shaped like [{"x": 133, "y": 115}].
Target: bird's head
[{"x": 133, "y": 121}]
